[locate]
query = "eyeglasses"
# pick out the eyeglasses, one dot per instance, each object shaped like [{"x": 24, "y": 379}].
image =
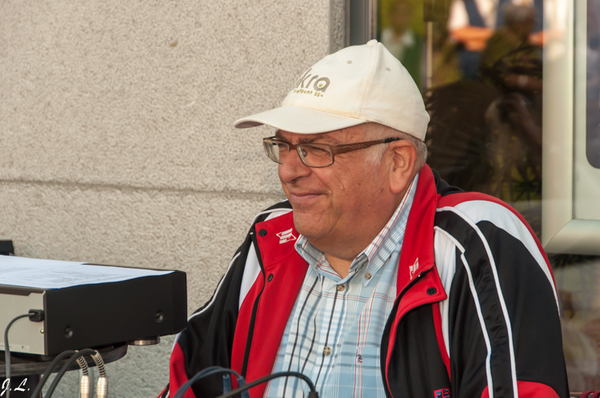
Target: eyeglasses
[{"x": 315, "y": 155}]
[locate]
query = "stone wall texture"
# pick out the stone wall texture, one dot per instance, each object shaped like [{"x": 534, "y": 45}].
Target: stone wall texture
[{"x": 116, "y": 137}]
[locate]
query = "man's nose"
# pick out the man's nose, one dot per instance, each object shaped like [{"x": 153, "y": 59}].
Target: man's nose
[{"x": 293, "y": 168}]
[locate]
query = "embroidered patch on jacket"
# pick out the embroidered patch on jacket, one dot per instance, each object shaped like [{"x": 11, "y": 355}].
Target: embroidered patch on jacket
[
  {"x": 442, "y": 393},
  {"x": 286, "y": 236},
  {"x": 413, "y": 269}
]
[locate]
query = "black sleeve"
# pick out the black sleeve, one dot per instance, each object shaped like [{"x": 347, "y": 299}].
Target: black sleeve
[
  {"x": 503, "y": 319},
  {"x": 208, "y": 338}
]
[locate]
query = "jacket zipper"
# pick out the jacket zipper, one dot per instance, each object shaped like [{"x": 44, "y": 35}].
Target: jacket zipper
[
  {"x": 388, "y": 326},
  {"x": 254, "y": 307}
]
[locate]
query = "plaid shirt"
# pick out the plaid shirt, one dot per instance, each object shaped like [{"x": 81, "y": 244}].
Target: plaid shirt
[{"x": 334, "y": 333}]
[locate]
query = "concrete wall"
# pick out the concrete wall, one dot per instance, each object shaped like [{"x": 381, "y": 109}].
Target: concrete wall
[{"x": 116, "y": 138}]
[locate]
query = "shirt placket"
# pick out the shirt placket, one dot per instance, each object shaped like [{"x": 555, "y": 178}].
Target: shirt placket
[{"x": 330, "y": 324}]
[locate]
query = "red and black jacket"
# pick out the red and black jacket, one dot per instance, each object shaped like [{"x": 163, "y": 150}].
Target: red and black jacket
[{"x": 476, "y": 313}]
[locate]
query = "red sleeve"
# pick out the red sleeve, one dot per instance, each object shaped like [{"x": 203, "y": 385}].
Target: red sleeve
[{"x": 177, "y": 374}]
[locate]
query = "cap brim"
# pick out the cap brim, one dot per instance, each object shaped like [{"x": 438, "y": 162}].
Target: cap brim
[{"x": 299, "y": 120}]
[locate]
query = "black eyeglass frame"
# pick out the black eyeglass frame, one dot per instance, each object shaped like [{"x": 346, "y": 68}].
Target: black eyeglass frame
[{"x": 333, "y": 150}]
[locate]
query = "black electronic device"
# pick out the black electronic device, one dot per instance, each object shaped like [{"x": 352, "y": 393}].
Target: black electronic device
[{"x": 90, "y": 306}]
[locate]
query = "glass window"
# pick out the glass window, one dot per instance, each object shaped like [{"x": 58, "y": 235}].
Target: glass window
[{"x": 481, "y": 67}]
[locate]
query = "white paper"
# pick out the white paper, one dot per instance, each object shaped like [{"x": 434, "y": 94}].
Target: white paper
[{"x": 52, "y": 274}]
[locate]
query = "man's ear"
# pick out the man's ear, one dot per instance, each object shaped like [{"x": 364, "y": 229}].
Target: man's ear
[{"x": 402, "y": 166}]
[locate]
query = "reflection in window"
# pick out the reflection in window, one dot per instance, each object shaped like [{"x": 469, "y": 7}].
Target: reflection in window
[
  {"x": 402, "y": 35},
  {"x": 486, "y": 132},
  {"x": 480, "y": 70}
]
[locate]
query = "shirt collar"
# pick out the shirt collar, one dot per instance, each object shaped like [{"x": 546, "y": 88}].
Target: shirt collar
[{"x": 376, "y": 254}]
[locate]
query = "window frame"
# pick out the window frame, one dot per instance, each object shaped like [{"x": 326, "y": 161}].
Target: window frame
[{"x": 563, "y": 149}]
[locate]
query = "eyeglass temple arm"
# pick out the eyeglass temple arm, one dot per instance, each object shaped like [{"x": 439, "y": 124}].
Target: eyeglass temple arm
[{"x": 362, "y": 145}]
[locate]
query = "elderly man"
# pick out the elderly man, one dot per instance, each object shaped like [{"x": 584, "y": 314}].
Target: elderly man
[{"x": 375, "y": 278}]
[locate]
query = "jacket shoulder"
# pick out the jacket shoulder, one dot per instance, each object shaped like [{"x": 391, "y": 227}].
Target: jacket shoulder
[
  {"x": 475, "y": 208},
  {"x": 278, "y": 209}
]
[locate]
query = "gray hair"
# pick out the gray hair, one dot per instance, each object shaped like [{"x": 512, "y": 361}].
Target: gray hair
[{"x": 376, "y": 131}]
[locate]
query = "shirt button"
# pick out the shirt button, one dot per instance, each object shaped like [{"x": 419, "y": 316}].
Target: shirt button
[
  {"x": 327, "y": 351},
  {"x": 340, "y": 288},
  {"x": 368, "y": 276}
]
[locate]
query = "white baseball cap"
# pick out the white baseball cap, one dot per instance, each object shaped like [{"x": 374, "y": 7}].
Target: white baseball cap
[{"x": 356, "y": 85}]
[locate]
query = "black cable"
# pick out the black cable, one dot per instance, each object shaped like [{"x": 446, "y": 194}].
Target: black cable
[
  {"x": 204, "y": 373},
  {"x": 7, "y": 351},
  {"x": 49, "y": 368},
  {"x": 66, "y": 366},
  {"x": 312, "y": 394},
  {"x": 34, "y": 316}
]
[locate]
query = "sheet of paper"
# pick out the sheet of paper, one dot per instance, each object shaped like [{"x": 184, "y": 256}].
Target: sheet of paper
[{"x": 52, "y": 274}]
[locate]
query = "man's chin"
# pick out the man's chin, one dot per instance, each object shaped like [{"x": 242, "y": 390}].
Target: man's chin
[{"x": 309, "y": 226}]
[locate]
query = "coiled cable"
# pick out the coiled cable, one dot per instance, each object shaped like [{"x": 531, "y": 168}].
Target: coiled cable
[
  {"x": 102, "y": 386},
  {"x": 85, "y": 387}
]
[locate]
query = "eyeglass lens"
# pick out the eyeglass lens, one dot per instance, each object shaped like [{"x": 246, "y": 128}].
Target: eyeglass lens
[{"x": 312, "y": 155}]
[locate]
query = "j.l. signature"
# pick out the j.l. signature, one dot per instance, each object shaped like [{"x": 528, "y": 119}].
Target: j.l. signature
[{"x": 6, "y": 386}]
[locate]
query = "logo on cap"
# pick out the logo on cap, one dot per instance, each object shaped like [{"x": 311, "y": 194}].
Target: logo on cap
[{"x": 319, "y": 84}]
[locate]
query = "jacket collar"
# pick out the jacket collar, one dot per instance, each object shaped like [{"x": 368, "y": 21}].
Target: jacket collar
[{"x": 417, "y": 255}]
